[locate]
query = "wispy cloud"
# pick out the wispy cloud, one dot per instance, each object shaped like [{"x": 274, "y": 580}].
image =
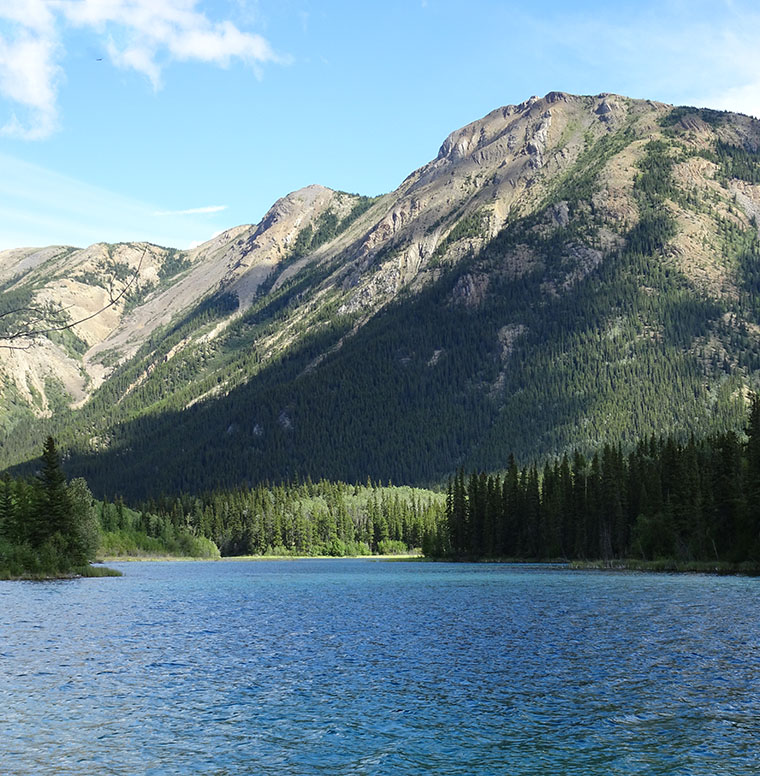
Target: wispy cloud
[
  {"x": 140, "y": 35},
  {"x": 191, "y": 211},
  {"x": 42, "y": 207}
]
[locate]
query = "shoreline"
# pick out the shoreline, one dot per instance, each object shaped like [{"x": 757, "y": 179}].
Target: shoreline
[
  {"x": 93, "y": 571},
  {"x": 714, "y": 568},
  {"x": 661, "y": 566},
  {"x": 227, "y": 558}
]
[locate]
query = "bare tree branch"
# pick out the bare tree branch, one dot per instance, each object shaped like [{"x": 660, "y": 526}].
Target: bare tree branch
[{"x": 42, "y": 320}]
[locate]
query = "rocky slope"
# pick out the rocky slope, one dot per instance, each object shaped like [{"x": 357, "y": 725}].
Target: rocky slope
[
  {"x": 517, "y": 227},
  {"x": 163, "y": 283}
]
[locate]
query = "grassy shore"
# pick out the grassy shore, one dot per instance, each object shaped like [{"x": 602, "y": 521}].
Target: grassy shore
[
  {"x": 147, "y": 557},
  {"x": 664, "y": 565},
  {"x": 670, "y": 566},
  {"x": 78, "y": 573},
  {"x": 399, "y": 556},
  {"x": 157, "y": 557}
]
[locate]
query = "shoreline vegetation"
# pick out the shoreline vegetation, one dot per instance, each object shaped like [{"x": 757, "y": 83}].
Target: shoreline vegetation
[
  {"x": 662, "y": 565},
  {"x": 406, "y": 556},
  {"x": 52, "y": 529},
  {"x": 665, "y": 505},
  {"x": 85, "y": 572},
  {"x": 48, "y": 528},
  {"x": 671, "y": 566}
]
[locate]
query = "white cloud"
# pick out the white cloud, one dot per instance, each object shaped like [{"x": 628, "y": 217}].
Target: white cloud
[
  {"x": 32, "y": 14},
  {"x": 29, "y": 73},
  {"x": 138, "y": 58},
  {"x": 191, "y": 211},
  {"x": 173, "y": 28},
  {"x": 140, "y": 35}
]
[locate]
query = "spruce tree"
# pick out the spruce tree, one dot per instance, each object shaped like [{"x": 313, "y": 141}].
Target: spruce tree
[
  {"x": 512, "y": 516},
  {"x": 6, "y": 507},
  {"x": 52, "y": 514},
  {"x": 752, "y": 538}
]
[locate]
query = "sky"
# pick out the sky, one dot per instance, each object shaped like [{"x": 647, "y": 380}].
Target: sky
[{"x": 172, "y": 120}]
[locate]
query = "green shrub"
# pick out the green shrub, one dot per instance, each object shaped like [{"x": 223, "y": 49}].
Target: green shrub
[{"x": 391, "y": 547}]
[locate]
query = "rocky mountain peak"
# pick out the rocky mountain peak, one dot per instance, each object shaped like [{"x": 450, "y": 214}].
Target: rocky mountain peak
[{"x": 294, "y": 207}]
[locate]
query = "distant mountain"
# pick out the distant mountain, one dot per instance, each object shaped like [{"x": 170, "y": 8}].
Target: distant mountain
[{"x": 567, "y": 272}]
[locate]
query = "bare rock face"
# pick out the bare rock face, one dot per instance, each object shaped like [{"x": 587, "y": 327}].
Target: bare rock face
[
  {"x": 470, "y": 290},
  {"x": 268, "y": 244},
  {"x": 536, "y": 146},
  {"x": 381, "y": 286},
  {"x": 276, "y": 232},
  {"x": 748, "y": 198},
  {"x": 130, "y": 328},
  {"x": 20, "y": 261},
  {"x": 560, "y": 214}
]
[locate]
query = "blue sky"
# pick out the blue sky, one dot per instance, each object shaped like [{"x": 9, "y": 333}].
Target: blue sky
[{"x": 171, "y": 120}]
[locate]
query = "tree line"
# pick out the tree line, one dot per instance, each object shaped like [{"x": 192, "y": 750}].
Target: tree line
[
  {"x": 695, "y": 500},
  {"x": 307, "y": 518},
  {"x": 51, "y": 527},
  {"x": 666, "y": 498}
]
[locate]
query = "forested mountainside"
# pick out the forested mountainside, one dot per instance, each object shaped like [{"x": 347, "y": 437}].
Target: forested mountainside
[{"x": 568, "y": 272}]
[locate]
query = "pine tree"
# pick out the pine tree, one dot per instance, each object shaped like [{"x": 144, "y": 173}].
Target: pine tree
[
  {"x": 6, "y": 508},
  {"x": 510, "y": 522},
  {"x": 580, "y": 505},
  {"x": 84, "y": 537},
  {"x": 52, "y": 513},
  {"x": 457, "y": 516},
  {"x": 729, "y": 502},
  {"x": 753, "y": 476}
]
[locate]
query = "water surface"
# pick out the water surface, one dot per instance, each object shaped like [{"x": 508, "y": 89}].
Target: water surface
[{"x": 364, "y": 667}]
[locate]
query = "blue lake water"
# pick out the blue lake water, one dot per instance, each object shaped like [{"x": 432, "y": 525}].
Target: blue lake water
[{"x": 364, "y": 667}]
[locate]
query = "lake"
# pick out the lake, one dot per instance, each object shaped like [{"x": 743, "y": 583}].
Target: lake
[{"x": 365, "y": 667}]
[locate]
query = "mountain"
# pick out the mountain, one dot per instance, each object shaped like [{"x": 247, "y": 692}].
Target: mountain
[{"x": 567, "y": 272}]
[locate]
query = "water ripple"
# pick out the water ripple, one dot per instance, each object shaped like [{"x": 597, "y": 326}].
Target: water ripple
[{"x": 354, "y": 667}]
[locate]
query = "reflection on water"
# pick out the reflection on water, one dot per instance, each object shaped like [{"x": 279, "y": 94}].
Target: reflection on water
[{"x": 361, "y": 667}]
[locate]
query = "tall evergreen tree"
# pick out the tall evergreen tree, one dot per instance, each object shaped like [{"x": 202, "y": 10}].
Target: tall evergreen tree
[
  {"x": 510, "y": 531},
  {"x": 753, "y": 475},
  {"x": 6, "y": 507},
  {"x": 458, "y": 516},
  {"x": 53, "y": 514}
]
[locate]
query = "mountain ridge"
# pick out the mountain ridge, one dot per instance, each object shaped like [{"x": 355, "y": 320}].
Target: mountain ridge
[{"x": 544, "y": 199}]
